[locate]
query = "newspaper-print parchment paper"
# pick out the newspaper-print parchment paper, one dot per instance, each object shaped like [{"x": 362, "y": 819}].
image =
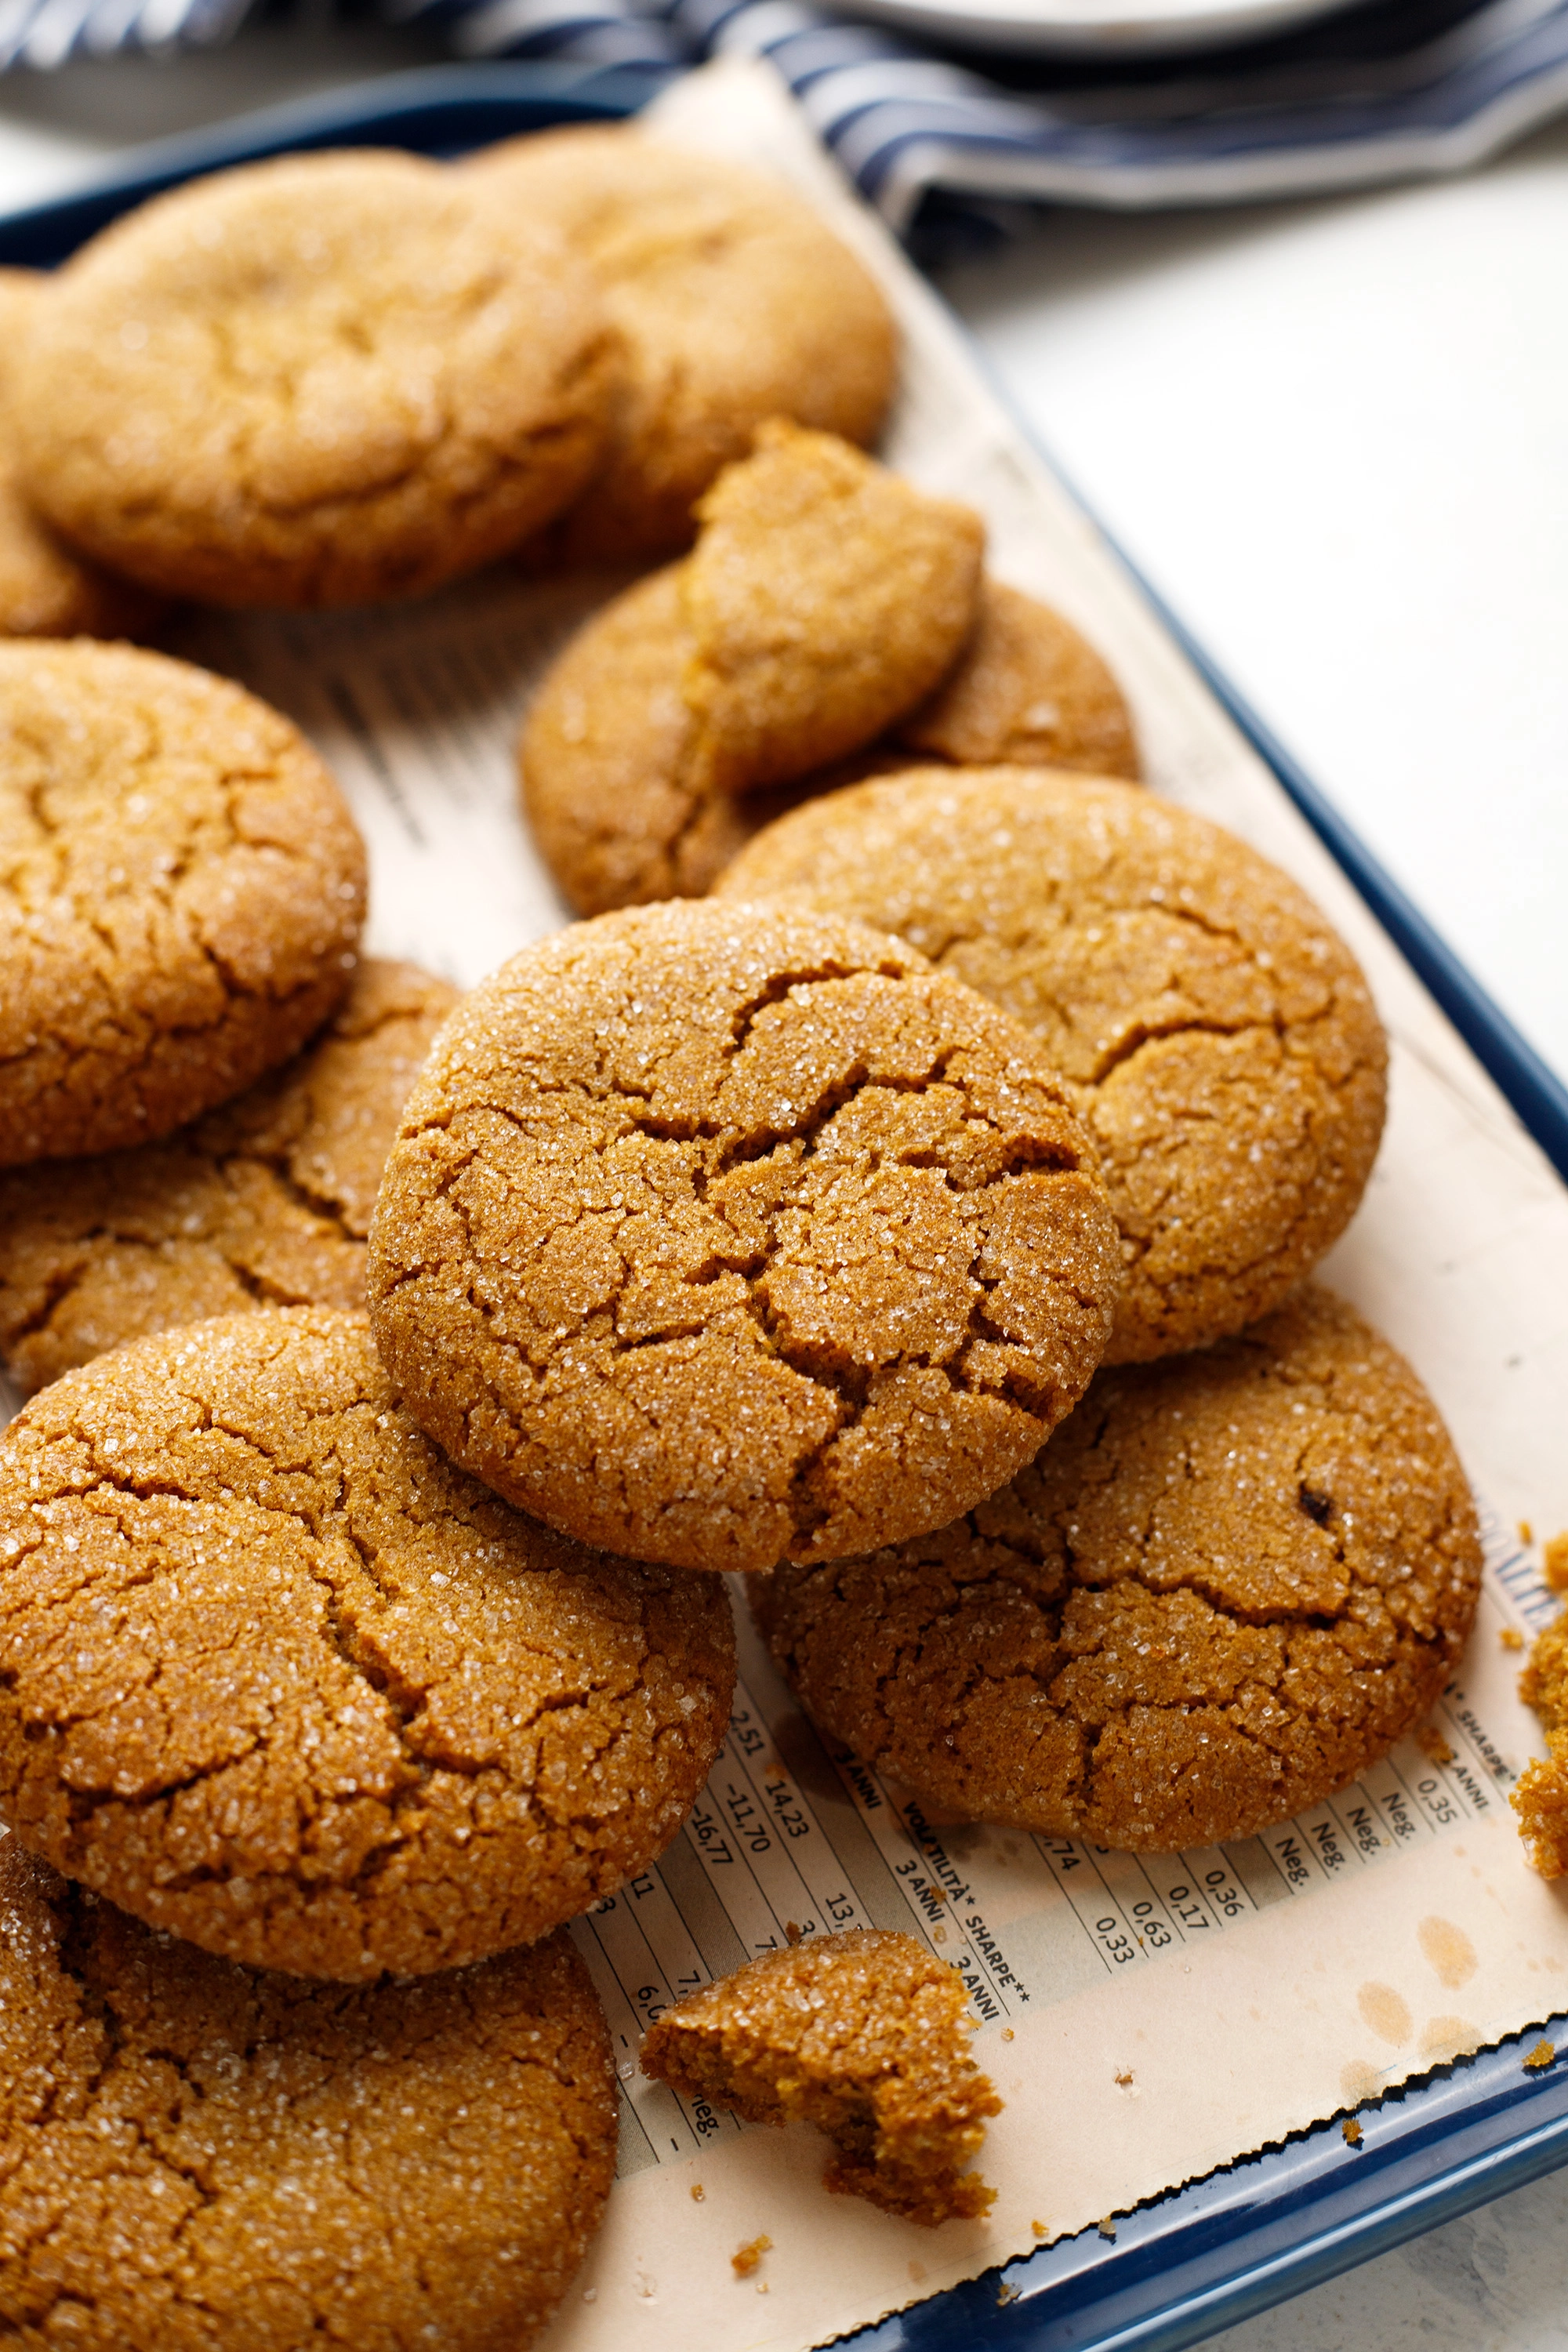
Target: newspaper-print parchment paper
[{"x": 1146, "y": 2019}]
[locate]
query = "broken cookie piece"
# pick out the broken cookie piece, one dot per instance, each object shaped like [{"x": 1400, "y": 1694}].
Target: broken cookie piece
[
  {"x": 827, "y": 597},
  {"x": 612, "y": 795},
  {"x": 863, "y": 2034}
]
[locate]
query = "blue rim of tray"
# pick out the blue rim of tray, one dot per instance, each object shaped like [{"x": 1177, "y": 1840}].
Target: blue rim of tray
[{"x": 1203, "y": 2257}]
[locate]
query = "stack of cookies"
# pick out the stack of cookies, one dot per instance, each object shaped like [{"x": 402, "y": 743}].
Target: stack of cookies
[
  {"x": 287, "y": 1696},
  {"x": 334, "y": 378},
  {"x": 903, "y": 1189}
]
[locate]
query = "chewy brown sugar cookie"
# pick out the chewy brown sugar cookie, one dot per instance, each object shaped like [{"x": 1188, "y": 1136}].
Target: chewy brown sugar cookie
[
  {"x": 1228, "y": 1584},
  {"x": 721, "y": 1233},
  {"x": 315, "y": 381},
  {"x": 199, "y": 2156},
  {"x": 733, "y": 302},
  {"x": 47, "y": 590},
  {"x": 623, "y": 814},
  {"x": 264, "y": 1202},
  {"x": 182, "y": 891},
  {"x": 863, "y": 2034},
  {"x": 1216, "y": 1037},
  {"x": 277, "y": 1677}
]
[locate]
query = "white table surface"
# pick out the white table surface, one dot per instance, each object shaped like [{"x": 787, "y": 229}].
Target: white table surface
[{"x": 1335, "y": 436}]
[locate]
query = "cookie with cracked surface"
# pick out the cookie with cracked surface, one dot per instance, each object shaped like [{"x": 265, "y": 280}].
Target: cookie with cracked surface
[
  {"x": 609, "y": 786},
  {"x": 264, "y": 1202},
  {"x": 200, "y": 2156},
  {"x": 1216, "y": 1037},
  {"x": 277, "y": 1677},
  {"x": 827, "y": 597},
  {"x": 614, "y": 797},
  {"x": 1228, "y": 1584},
  {"x": 1541, "y": 1800},
  {"x": 1028, "y": 691},
  {"x": 862, "y": 2034},
  {"x": 322, "y": 380},
  {"x": 735, "y": 301},
  {"x": 715, "y": 1233},
  {"x": 46, "y": 590},
  {"x": 183, "y": 888}
]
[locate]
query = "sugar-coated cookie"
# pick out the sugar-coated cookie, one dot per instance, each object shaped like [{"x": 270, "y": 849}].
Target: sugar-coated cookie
[
  {"x": 826, "y": 596},
  {"x": 863, "y": 2033},
  {"x": 622, "y": 815},
  {"x": 716, "y": 1233},
  {"x": 46, "y": 588},
  {"x": 199, "y": 2157},
  {"x": 277, "y": 1677},
  {"x": 264, "y": 1202},
  {"x": 1228, "y": 1584},
  {"x": 316, "y": 381},
  {"x": 1215, "y": 1034},
  {"x": 1028, "y": 691},
  {"x": 182, "y": 891},
  {"x": 735, "y": 303}
]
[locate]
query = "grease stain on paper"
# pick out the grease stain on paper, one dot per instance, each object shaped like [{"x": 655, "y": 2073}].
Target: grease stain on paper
[
  {"x": 1358, "y": 2081},
  {"x": 1448, "y": 1951},
  {"x": 1387, "y": 2014},
  {"x": 1443, "y": 2038}
]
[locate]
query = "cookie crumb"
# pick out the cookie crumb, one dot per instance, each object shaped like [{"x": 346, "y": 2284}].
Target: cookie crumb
[
  {"x": 865, "y": 2034},
  {"x": 1123, "y": 2078},
  {"x": 1554, "y": 1562},
  {"x": 1541, "y": 1800},
  {"x": 746, "y": 2258},
  {"x": 1039, "y": 2229},
  {"x": 698, "y": 2192},
  {"x": 1352, "y": 2131},
  {"x": 1526, "y": 1532},
  {"x": 1431, "y": 1743},
  {"x": 1106, "y": 2226},
  {"x": 1544, "y": 2055},
  {"x": 1006, "y": 2292},
  {"x": 792, "y": 1933},
  {"x": 1006, "y": 2034},
  {"x": 1511, "y": 1638}
]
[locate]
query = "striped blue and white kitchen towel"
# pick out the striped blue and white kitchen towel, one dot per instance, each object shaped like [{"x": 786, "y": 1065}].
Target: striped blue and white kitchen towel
[{"x": 1384, "y": 91}]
